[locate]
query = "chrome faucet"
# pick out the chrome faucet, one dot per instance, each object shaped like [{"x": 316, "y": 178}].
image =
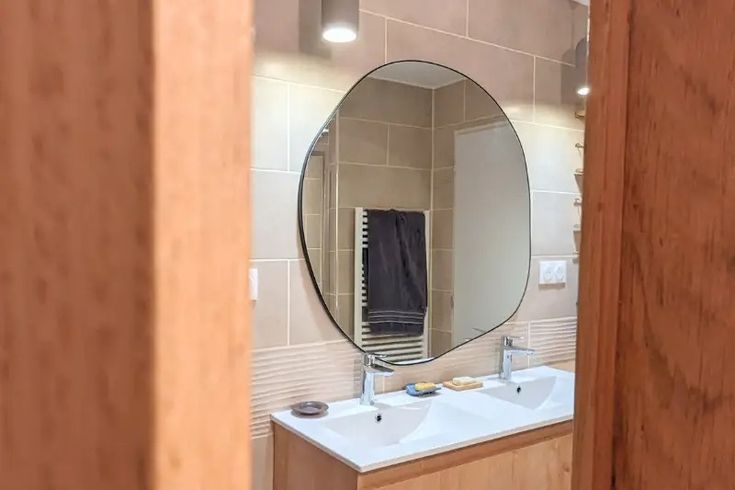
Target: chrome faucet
[
  {"x": 370, "y": 369},
  {"x": 507, "y": 350}
]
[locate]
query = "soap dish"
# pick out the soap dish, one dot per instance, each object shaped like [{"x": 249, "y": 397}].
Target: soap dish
[
  {"x": 468, "y": 386},
  {"x": 310, "y": 409},
  {"x": 411, "y": 390}
]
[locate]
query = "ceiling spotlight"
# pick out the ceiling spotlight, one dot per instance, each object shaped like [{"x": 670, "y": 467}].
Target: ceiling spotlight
[
  {"x": 584, "y": 90},
  {"x": 340, "y": 20}
]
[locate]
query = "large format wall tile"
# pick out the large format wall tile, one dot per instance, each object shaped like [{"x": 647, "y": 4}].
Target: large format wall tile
[
  {"x": 540, "y": 27},
  {"x": 506, "y": 75},
  {"x": 449, "y": 104},
  {"x": 275, "y": 227},
  {"x": 309, "y": 109},
  {"x": 308, "y": 321},
  {"x": 445, "y": 15},
  {"x": 552, "y": 300},
  {"x": 363, "y": 141},
  {"x": 443, "y": 188},
  {"x": 554, "y": 340},
  {"x": 270, "y": 319},
  {"x": 384, "y": 187},
  {"x": 551, "y": 156},
  {"x": 382, "y": 100},
  {"x": 556, "y": 96},
  {"x": 553, "y": 218},
  {"x": 270, "y": 131},
  {"x": 409, "y": 147},
  {"x": 478, "y": 104}
]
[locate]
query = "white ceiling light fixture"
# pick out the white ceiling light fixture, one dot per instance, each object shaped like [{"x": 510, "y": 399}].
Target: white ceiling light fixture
[{"x": 340, "y": 20}]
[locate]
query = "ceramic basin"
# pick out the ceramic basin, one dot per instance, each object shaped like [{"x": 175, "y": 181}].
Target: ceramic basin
[
  {"x": 387, "y": 426},
  {"x": 535, "y": 394}
]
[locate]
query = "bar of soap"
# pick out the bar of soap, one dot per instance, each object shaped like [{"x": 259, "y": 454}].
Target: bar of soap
[
  {"x": 424, "y": 386},
  {"x": 463, "y": 380}
]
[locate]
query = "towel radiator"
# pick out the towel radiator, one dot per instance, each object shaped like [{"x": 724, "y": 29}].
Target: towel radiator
[{"x": 393, "y": 348}]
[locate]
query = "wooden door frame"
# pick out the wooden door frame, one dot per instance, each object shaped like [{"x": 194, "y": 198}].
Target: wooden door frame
[{"x": 600, "y": 254}]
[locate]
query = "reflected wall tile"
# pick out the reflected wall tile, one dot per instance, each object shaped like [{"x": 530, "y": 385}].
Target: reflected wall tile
[
  {"x": 506, "y": 75},
  {"x": 540, "y": 27},
  {"x": 309, "y": 322},
  {"x": 270, "y": 129},
  {"x": 275, "y": 225},
  {"x": 269, "y": 315},
  {"x": 442, "y": 269},
  {"x": 449, "y": 104},
  {"x": 313, "y": 194},
  {"x": 552, "y": 300},
  {"x": 315, "y": 167},
  {"x": 442, "y": 235},
  {"x": 346, "y": 228},
  {"x": 345, "y": 314},
  {"x": 553, "y": 218},
  {"x": 288, "y": 45},
  {"x": 445, "y": 15},
  {"x": 440, "y": 342},
  {"x": 444, "y": 147},
  {"x": 384, "y": 187},
  {"x": 556, "y": 95},
  {"x": 346, "y": 272},
  {"x": 443, "y": 188},
  {"x": 313, "y": 230},
  {"x": 441, "y": 310},
  {"x": 551, "y": 156},
  {"x": 309, "y": 109},
  {"x": 382, "y": 100},
  {"x": 409, "y": 147},
  {"x": 363, "y": 141}
]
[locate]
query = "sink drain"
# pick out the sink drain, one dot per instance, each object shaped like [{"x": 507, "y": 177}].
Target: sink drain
[{"x": 378, "y": 418}]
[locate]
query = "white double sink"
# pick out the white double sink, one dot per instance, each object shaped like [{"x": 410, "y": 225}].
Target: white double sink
[{"x": 400, "y": 428}]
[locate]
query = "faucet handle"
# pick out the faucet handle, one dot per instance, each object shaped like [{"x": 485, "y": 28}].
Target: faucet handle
[{"x": 509, "y": 339}]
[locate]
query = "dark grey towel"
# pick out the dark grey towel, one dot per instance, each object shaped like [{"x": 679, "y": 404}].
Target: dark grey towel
[{"x": 396, "y": 272}]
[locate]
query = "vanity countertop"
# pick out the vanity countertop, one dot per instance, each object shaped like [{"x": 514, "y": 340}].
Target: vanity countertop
[{"x": 400, "y": 428}]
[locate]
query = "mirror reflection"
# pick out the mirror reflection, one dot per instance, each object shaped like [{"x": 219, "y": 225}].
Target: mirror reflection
[{"x": 415, "y": 213}]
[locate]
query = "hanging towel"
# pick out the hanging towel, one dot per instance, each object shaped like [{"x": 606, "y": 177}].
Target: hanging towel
[{"x": 396, "y": 272}]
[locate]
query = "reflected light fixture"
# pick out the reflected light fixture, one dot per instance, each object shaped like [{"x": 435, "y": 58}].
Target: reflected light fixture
[
  {"x": 583, "y": 89},
  {"x": 340, "y": 20}
]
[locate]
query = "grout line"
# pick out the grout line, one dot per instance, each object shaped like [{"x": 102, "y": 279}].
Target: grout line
[
  {"x": 376, "y": 165},
  {"x": 385, "y": 40},
  {"x": 288, "y": 303},
  {"x": 546, "y": 125},
  {"x": 467, "y": 19},
  {"x": 386, "y": 123},
  {"x": 299, "y": 84},
  {"x": 466, "y": 38},
  {"x": 305, "y": 345},
  {"x": 275, "y": 171},
  {"x": 288, "y": 126},
  {"x": 533, "y": 107},
  {"x": 563, "y": 193}
]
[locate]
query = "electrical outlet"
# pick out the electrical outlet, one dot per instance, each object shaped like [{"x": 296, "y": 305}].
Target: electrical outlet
[{"x": 552, "y": 272}]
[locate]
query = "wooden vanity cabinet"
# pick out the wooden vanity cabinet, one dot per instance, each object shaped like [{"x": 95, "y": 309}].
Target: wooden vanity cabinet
[{"x": 533, "y": 460}]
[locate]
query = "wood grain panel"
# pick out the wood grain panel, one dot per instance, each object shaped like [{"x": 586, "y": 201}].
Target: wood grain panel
[
  {"x": 531, "y": 460},
  {"x": 600, "y": 249},
  {"x": 124, "y": 215},
  {"x": 675, "y": 389}
]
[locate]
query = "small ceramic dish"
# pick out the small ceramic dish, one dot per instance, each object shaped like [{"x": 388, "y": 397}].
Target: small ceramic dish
[{"x": 310, "y": 409}]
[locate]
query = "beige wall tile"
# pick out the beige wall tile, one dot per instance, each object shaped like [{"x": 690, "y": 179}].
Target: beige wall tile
[
  {"x": 554, "y": 340},
  {"x": 443, "y": 231},
  {"x": 313, "y": 193},
  {"x": 478, "y": 104},
  {"x": 540, "y": 27},
  {"x": 315, "y": 255},
  {"x": 551, "y": 157},
  {"x": 553, "y": 217},
  {"x": 441, "y": 310},
  {"x": 442, "y": 268},
  {"x": 384, "y": 187},
  {"x": 381, "y": 100},
  {"x": 550, "y": 301},
  {"x": 556, "y": 96},
  {"x": 315, "y": 167},
  {"x": 309, "y": 109},
  {"x": 506, "y": 75},
  {"x": 409, "y": 147},
  {"x": 440, "y": 342},
  {"x": 449, "y": 104},
  {"x": 288, "y": 45},
  {"x": 363, "y": 141},
  {"x": 346, "y": 228},
  {"x": 346, "y": 272},
  {"x": 345, "y": 315},
  {"x": 445, "y": 15},
  {"x": 443, "y": 188},
  {"x": 313, "y": 230},
  {"x": 269, "y": 312},
  {"x": 262, "y": 463},
  {"x": 444, "y": 147},
  {"x": 309, "y": 322},
  {"x": 275, "y": 227},
  {"x": 270, "y": 129}
]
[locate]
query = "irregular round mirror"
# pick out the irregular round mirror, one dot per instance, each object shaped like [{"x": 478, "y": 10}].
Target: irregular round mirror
[{"x": 415, "y": 213}]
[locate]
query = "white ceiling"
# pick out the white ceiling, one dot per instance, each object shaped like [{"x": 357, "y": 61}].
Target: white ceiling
[
  {"x": 417, "y": 73},
  {"x": 583, "y": 2}
]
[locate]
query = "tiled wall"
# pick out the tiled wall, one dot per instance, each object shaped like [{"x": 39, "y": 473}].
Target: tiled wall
[{"x": 520, "y": 55}]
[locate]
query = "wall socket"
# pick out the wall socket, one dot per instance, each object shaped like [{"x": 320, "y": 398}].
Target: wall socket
[{"x": 552, "y": 272}]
